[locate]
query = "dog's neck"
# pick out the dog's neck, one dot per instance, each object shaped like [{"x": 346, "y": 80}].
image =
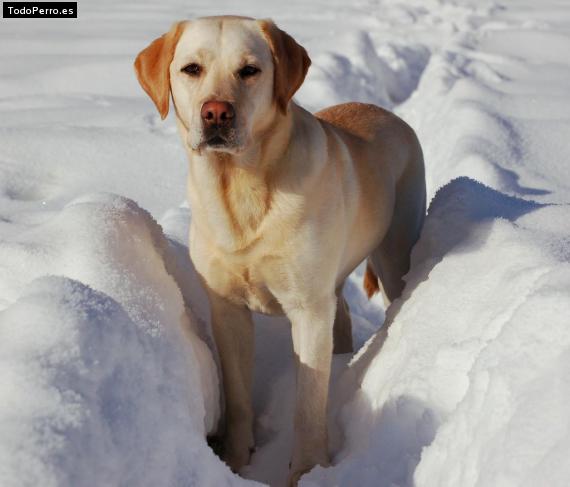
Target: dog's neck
[{"x": 231, "y": 195}]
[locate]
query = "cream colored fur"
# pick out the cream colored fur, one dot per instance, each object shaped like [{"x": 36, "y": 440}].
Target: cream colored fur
[{"x": 285, "y": 212}]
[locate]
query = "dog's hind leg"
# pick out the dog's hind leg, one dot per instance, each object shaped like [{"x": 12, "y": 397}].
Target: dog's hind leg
[
  {"x": 342, "y": 329},
  {"x": 390, "y": 261}
]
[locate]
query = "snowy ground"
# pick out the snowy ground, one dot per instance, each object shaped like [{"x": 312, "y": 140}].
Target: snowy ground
[{"x": 106, "y": 377}]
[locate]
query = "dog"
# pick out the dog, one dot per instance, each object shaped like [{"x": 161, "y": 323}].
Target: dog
[{"x": 285, "y": 205}]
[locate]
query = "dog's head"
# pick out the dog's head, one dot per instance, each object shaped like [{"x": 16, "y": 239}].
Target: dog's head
[{"x": 230, "y": 77}]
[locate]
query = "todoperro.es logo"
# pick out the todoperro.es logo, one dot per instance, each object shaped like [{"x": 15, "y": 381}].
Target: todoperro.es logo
[{"x": 37, "y": 10}]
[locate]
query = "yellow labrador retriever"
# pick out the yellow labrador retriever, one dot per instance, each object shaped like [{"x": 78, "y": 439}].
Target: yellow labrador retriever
[{"x": 285, "y": 204}]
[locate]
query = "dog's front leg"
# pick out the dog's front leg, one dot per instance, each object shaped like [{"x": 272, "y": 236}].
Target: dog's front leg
[
  {"x": 233, "y": 331},
  {"x": 312, "y": 329}
]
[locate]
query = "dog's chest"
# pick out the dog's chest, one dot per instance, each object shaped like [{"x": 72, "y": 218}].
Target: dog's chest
[
  {"x": 256, "y": 295},
  {"x": 243, "y": 283}
]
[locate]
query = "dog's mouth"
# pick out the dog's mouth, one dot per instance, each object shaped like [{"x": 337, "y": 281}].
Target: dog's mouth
[
  {"x": 219, "y": 140},
  {"x": 216, "y": 141}
]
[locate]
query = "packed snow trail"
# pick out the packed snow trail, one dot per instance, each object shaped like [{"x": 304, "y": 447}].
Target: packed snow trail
[{"x": 107, "y": 375}]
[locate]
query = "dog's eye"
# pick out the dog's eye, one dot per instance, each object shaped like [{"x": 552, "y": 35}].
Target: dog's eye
[
  {"x": 192, "y": 69},
  {"x": 248, "y": 71}
]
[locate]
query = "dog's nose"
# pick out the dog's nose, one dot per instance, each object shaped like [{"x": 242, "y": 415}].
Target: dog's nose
[{"x": 217, "y": 112}]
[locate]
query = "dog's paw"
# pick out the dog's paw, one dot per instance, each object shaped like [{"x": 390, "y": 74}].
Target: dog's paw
[
  {"x": 238, "y": 448},
  {"x": 299, "y": 467},
  {"x": 294, "y": 478},
  {"x": 237, "y": 458}
]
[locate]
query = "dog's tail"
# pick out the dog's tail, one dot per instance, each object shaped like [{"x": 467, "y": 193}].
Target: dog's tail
[{"x": 371, "y": 285}]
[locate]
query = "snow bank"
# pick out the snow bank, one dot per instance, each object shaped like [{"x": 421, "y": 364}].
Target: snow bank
[
  {"x": 471, "y": 377},
  {"x": 100, "y": 385},
  {"x": 352, "y": 72}
]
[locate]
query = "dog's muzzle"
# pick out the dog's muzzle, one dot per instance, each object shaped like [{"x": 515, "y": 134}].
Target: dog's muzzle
[{"x": 218, "y": 124}]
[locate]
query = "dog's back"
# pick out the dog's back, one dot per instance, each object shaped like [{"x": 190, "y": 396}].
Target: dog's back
[{"x": 368, "y": 130}]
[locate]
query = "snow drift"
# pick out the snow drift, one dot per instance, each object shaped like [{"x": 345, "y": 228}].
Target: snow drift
[
  {"x": 104, "y": 378},
  {"x": 471, "y": 377}
]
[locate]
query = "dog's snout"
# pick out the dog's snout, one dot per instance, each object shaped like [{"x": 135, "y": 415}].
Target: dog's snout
[{"x": 217, "y": 112}]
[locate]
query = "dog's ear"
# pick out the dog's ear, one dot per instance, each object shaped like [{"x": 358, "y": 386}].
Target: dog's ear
[
  {"x": 291, "y": 63},
  {"x": 152, "y": 67}
]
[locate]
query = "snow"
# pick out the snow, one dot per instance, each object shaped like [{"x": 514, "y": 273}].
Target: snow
[
  {"x": 474, "y": 368},
  {"x": 97, "y": 349},
  {"x": 108, "y": 371}
]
